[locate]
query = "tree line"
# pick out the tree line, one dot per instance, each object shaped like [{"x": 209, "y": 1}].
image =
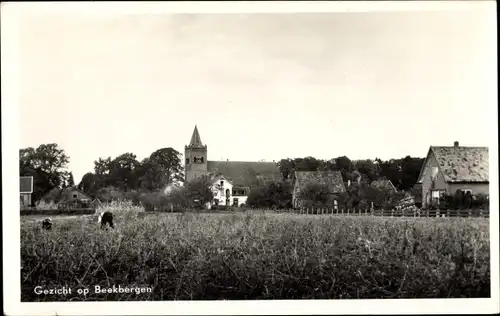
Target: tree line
[
  {"x": 402, "y": 172},
  {"x": 125, "y": 176}
]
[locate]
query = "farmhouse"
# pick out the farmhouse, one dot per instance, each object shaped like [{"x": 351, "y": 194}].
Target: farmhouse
[
  {"x": 384, "y": 184},
  {"x": 447, "y": 169},
  {"x": 332, "y": 179},
  {"x": 70, "y": 196},
  {"x": 25, "y": 189},
  {"x": 231, "y": 180}
]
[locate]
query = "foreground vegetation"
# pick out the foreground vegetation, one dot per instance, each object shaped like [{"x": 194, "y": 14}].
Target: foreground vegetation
[{"x": 257, "y": 256}]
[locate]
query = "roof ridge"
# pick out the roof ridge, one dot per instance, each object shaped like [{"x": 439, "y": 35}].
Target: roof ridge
[{"x": 459, "y": 147}]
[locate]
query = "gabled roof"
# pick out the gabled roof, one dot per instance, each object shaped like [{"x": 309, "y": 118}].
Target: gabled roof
[
  {"x": 218, "y": 177},
  {"x": 74, "y": 188},
  {"x": 383, "y": 184},
  {"x": 60, "y": 193},
  {"x": 461, "y": 164},
  {"x": 333, "y": 179},
  {"x": 195, "y": 139},
  {"x": 245, "y": 173},
  {"x": 26, "y": 184}
]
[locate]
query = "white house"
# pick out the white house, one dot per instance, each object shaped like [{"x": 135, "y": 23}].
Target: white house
[{"x": 232, "y": 180}]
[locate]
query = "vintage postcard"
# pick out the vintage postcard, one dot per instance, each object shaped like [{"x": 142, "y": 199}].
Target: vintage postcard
[{"x": 210, "y": 158}]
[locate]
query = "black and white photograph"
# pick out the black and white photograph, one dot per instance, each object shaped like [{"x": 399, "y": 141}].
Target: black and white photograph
[{"x": 261, "y": 158}]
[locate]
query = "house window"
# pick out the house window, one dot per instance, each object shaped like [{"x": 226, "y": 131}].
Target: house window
[
  {"x": 436, "y": 194},
  {"x": 222, "y": 183},
  {"x": 466, "y": 190},
  {"x": 202, "y": 159},
  {"x": 434, "y": 172},
  {"x": 187, "y": 161},
  {"x": 74, "y": 196}
]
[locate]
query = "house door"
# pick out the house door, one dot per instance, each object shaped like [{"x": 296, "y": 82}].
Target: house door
[
  {"x": 235, "y": 202},
  {"x": 228, "y": 197}
]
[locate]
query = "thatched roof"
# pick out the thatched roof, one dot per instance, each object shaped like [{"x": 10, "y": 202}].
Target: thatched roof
[
  {"x": 383, "y": 184},
  {"x": 462, "y": 164},
  {"x": 333, "y": 179}
]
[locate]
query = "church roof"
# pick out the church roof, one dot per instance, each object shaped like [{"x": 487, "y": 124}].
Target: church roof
[
  {"x": 246, "y": 173},
  {"x": 196, "y": 139}
]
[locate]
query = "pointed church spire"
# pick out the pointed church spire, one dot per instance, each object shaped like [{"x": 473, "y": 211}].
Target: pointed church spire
[{"x": 196, "y": 139}]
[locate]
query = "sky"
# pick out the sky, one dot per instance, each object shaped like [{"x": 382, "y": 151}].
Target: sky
[{"x": 258, "y": 86}]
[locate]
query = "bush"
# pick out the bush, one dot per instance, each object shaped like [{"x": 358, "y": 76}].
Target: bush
[{"x": 219, "y": 207}]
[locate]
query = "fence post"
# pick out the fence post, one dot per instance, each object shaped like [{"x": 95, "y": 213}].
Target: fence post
[
  {"x": 437, "y": 213},
  {"x": 470, "y": 213},
  {"x": 347, "y": 212},
  {"x": 481, "y": 213},
  {"x": 392, "y": 213},
  {"x": 447, "y": 213}
]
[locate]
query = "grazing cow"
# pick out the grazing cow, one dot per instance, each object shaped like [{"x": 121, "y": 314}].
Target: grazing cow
[
  {"x": 106, "y": 218},
  {"x": 47, "y": 224}
]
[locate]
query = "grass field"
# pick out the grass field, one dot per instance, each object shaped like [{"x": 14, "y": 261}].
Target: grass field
[{"x": 257, "y": 256}]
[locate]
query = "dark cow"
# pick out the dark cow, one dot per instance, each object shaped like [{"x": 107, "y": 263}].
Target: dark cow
[
  {"x": 47, "y": 224},
  {"x": 106, "y": 218}
]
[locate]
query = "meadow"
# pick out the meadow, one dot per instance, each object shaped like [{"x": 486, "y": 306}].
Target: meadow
[{"x": 256, "y": 255}]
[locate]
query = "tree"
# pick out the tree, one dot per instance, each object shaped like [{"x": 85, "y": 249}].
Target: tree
[
  {"x": 308, "y": 164},
  {"x": 122, "y": 172},
  {"x": 48, "y": 166},
  {"x": 368, "y": 168},
  {"x": 272, "y": 195},
  {"x": 102, "y": 166},
  {"x": 286, "y": 167},
  {"x": 315, "y": 193},
  {"x": 168, "y": 162},
  {"x": 91, "y": 183},
  {"x": 344, "y": 165},
  {"x": 410, "y": 171},
  {"x": 149, "y": 176},
  {"x": 71, "y": 180},
  {"x": 199, "y": 191}
]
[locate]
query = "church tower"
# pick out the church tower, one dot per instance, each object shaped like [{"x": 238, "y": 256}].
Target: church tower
[{"x": 196, "y": 157}]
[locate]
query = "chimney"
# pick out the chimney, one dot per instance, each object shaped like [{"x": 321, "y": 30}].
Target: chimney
[{"x": 455, "y": 144}]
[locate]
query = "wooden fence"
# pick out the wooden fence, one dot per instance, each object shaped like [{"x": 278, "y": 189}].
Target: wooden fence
[{"x": 389, "y": 213}]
